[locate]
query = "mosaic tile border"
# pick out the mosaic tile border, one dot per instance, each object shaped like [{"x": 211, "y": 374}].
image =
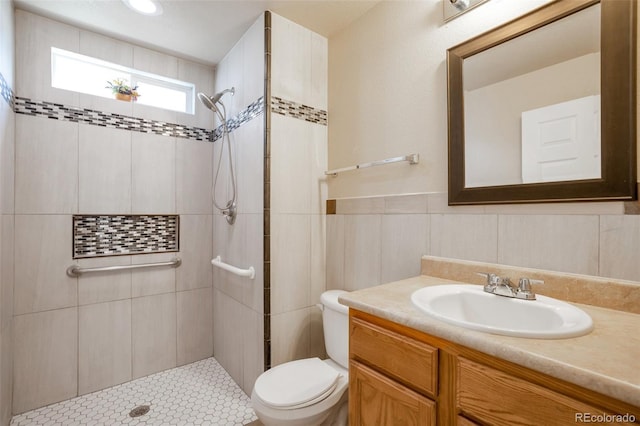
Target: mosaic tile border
[
  {"x": 7, "y": 93},
  {"x": 249, "y": 113},
  {"x": 106, "y": 119},
  {"x": 296, "y": 110},
  {"x": 116, "y": 235}
]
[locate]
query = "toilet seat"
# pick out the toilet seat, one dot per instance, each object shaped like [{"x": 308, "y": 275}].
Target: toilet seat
[{"x": 296, "y": 384}]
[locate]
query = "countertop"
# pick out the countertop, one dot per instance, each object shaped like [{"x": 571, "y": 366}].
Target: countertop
[{"x": 607, "y": 360}]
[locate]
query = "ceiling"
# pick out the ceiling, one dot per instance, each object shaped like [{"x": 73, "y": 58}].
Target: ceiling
[{"x": 200, "y": 30}]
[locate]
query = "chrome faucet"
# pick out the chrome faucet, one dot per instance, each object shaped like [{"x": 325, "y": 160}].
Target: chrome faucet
[{"x": 504, "y": 287}]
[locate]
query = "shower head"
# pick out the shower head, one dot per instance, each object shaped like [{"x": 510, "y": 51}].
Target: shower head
[{"x": 211, "y": 101}]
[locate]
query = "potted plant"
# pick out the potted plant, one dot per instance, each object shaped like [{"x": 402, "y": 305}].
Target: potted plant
[{"x": 122, "y": 90}]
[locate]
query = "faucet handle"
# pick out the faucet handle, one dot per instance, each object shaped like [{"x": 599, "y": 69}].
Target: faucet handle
[
  {"x": 524, "y": 288},
  {"x": 492, "y": 279}
]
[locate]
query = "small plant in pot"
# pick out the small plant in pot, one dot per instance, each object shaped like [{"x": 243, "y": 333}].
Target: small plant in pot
[{"x": 122, "y": 90}]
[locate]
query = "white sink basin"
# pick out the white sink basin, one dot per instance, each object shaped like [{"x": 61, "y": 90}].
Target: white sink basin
[{"x": 470, "y": 307}]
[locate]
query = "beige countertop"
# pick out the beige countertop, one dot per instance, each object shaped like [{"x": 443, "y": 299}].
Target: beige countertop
[{"x": 607, "y": 360}]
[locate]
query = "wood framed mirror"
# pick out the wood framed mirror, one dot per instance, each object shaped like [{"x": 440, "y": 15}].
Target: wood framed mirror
[{"x": 486, "y": 149}]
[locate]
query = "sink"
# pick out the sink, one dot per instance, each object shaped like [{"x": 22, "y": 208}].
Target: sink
[{"x": 469, "y": 306}]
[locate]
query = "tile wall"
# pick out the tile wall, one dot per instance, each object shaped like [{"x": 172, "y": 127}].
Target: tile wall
[
  {"x": 298, "y": 189},
  {"x": 375, "y": 240},
  {"x": 238, "y": 301},
  {"x": 77, "y": 335},
  {"x": 7, "y": 217}
]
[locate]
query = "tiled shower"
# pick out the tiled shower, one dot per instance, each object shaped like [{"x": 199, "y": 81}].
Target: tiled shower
[{"x": 71, "y": 161}]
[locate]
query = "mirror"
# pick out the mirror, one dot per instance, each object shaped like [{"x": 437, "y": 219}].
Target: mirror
[{"x": 543, "y": 108}]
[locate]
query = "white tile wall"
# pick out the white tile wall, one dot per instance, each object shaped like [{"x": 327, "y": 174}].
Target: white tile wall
[
  {"x": 105, "y": 286},
  {"x": 7, "y": 209},
  {"x": 253, "y": 348},
  {"x": 33, "y": 56},
  {"x": 196, "y": 252},
  {"x": 335, "y": 252},
  {"x": 153, "y": 181},
  {"x": 290, "y": 336},
  {"x": 7, "y": 235},
  {"x": 153, "y": 328},
  {"x": 405, "y": 239},
  {"x": 104, "y": 170},
  {"x": 45, "y": 358},
  {"x": 41, "y": 282},
  {"x": 253, "y": 62},
  {"x": 238, "y": 301},
  {"x": 567, "y": 243},
  {"x": 194, "y": 174},
  {"x": 619, "y": 236},
  {"x": 228, "y": 340},
  {"x": 290, "y": 60},
  {"x": 298, "y": 190},
  {"x": 104, "y": 340},
  {"x": 552, "y": 237},
  {"x": 195, "y": 319},
  {"x": 290, "y": 262},
  {"x": 362, "y": 251},
  {"x": 147, "y": 282},
  {"x": 465, "y": 236},
  {"x": 291, "y": 142},
  {"x": 7, "y": 158},
  {"x": 63, "y": 168},
  {"x": 249, "y": 145},
  {"x": 46, "y": 166},
  {"x": 202, "y": 76}
]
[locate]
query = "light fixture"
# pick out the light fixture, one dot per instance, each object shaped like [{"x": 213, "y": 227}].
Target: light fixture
[
  {"x": 454, "y": 8},
  {"x": 460, "y": 4},
  {"x": 145, "y": 7}
]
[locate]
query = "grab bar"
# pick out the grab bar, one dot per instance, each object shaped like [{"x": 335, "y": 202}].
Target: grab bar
[
  {"x": 251, "y": 273},
  {"x": 76, "y": 271},
  {"x": 411, "y": 158}
]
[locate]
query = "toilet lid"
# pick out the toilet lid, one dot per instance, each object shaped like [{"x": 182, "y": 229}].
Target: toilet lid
[{"x": 296, "y": 384}]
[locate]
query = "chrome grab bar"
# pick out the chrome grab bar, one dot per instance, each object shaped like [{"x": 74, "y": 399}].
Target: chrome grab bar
[
  {"x": 251, "y": 272},
  {"x": 411, "y": 158},
  {"x": 76, "y": 271}
]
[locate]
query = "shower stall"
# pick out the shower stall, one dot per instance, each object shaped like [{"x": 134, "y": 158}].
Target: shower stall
[
  {"x": 279, "y": 72},
  {"x": 256, "y": 150}
]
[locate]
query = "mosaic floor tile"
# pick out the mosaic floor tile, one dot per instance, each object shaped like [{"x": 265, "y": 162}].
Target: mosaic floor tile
[{"x": 201, "y": 393}]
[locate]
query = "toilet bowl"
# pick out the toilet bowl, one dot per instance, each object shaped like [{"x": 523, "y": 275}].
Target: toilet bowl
[{"x": 311, "y": 391}]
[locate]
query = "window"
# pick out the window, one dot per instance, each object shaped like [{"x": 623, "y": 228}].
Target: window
[{"x": 80, "y": 73}]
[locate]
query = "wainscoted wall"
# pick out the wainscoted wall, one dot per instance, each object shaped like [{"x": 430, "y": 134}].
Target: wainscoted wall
[
  {"x": 77, "y": 335},
  {"x": 298, "y": 189},
  {"x": 388, "y": 97},
  {"x": 375, "y": 240},
  {"x": 238, "y": 301},
  {"x": 7, "y": 217}
]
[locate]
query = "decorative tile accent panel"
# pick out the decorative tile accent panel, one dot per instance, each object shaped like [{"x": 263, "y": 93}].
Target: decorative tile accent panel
[
  {"x": 296, "y": 110},
  {"x": 105, "y": 119},
  {"x": 7, "y": 93},
  {"x": 246, "y": 115},
  {"x": 113, "y": 235}
]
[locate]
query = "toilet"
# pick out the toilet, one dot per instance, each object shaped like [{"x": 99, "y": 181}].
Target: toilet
[{"x": 310, "y": 392}]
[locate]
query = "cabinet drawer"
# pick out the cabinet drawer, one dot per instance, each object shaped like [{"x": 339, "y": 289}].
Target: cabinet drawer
[
  {"x": 463, "y": 421},
  {"x": 407, "y": 360},
  {"x": 376, "y": 400},
  {"x": 491, "y": 396}
]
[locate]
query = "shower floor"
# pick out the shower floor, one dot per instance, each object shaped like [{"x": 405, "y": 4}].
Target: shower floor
[{"x": 201, "y": 393}]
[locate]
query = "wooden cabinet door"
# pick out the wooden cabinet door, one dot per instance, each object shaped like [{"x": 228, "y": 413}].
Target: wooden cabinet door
[{"x": 376, "y": 400}]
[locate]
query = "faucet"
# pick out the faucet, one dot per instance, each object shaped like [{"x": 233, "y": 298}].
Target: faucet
[{"x": 504, "y": 287}]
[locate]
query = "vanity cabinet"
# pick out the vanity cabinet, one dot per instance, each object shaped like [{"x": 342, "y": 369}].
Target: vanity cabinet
[{"x": 399, "y": 375}]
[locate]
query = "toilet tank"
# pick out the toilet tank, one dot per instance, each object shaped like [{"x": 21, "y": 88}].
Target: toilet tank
[{"x": 335, "y": 322}]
